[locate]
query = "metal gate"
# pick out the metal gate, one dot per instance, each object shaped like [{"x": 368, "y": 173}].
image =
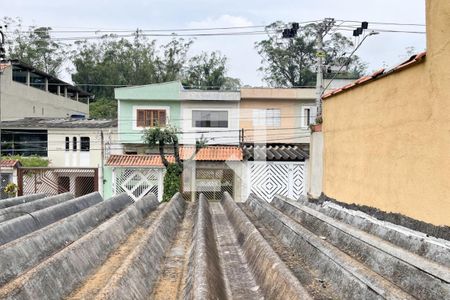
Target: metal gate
[
  {"x": 138, "y": 183},
  {"x": 268, "y": 179},
  {"x": 213, "y": 182},
  {"x": 53, "y": 181}
]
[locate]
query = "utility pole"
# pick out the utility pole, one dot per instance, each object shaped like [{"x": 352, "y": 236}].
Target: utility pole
[
  {"x": 322, "y": 30},
  {"x": 2, "y": 57}
]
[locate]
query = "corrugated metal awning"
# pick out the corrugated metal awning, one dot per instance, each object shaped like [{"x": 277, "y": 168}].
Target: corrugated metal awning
[{"x": 274, "y": 153}]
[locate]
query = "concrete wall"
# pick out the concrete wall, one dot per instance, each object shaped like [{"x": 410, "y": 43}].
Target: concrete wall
[
  {"x": 387, "y": 143},
  {"x": 226, "y": 136},
  {"x": 290, "y": 102},
  {"x": 20, "y": 101},
  {"x": 315, "y": 165}
]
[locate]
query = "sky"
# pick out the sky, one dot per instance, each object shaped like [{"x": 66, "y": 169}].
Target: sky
[{"x": 384, "y": 49}]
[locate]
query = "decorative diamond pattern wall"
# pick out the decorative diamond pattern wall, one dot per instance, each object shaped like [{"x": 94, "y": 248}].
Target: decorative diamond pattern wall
[
  {"x": 138, "y": 183},
  {"x": 268, "y": 179}
]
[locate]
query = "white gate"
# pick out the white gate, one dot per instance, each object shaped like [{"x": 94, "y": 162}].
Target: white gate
[
  {"x": 138, "y": 182},
  {"x": 268, "y": 178}
]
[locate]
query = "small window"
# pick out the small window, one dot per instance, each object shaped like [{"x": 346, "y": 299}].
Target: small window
[
  {"x": 151, "y": 118},
  {"x": 42, "y": 111},
  {"x": 85, "y": 143},
  {"x": 74, "y": 146},
  {"x": 34, "y": 109},
  {"x": 308, "y": 115},
  {"x": 67, "y": 143},
  {"x": 206, "y": 118}
]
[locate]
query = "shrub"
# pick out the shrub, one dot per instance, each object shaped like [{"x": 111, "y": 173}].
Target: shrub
[
  {"x": 172, "y": 181},
  {"x": 29, "y": 161}
]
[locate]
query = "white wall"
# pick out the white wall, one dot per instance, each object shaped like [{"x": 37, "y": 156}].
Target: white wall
[
  {"x": 225, "y": 136},
  {"x": 59, "y": 157}
]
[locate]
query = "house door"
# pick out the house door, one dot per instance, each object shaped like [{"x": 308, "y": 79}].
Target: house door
[{"x": 268, "y": 179}]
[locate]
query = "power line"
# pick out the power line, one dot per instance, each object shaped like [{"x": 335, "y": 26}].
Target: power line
[{"x": 384, "y": 23}]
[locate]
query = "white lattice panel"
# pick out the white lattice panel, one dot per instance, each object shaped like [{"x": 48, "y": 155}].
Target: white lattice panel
[
  {"x": 268, "y": 179},
  {"x": 138, "y": 183}
]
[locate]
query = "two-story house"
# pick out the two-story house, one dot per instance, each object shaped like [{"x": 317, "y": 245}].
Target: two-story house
[
  {"x": 275, "y": 139},
  {"x": 74, "y": 147},
  {"x": 212, "y": 116}
]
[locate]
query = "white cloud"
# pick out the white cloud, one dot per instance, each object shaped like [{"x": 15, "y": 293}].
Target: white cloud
[{"x": 221, "y": 21}]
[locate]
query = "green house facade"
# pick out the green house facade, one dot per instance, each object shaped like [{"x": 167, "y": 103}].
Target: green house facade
[{"x": 161, "y": 96}]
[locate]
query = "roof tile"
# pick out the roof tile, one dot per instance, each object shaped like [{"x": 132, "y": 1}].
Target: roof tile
[
  {"x": 380, "y": 73},
  {"x": 9, "y": 163},
  {"x": 211, "y": 153}
]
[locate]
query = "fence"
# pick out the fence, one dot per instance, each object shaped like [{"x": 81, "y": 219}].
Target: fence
[{"x": 53, "y": 181}]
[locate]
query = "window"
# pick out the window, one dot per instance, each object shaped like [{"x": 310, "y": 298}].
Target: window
[
  {"x": 270, "y": 117},
  {"x": 67, "y": 143},
  {"x": 74, "y": 146},
  {"x": 151, "y": 118},
  {"x": 85, "y": 143},
  {"x": 308, "y": 115},
  {"x": 206, "y": 118}
]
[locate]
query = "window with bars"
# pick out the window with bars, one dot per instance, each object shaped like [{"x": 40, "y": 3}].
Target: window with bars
[
  {"x": 85, "y": 143},
  {"x": 151, "y": 118}
]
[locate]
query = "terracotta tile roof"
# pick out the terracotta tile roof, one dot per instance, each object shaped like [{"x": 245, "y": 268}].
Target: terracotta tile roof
[
  {"x": 9, "y": 163},
  {"x": 211, "y": 153},
  {"x": 137, "y": 160},
  {"x": 4, "y": 66},
  {"x": 415, "y": 59}
]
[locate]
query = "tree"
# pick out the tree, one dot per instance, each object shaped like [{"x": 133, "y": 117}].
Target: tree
[
  {"x": 159, "y": 137},
  {"x": 35, "y": 47},
  {"x": 206, "y": 71},
  {"x": 103, "y": 109},
  {"x": 113, "y": 62},
  {"x": 291, "y": 62}
]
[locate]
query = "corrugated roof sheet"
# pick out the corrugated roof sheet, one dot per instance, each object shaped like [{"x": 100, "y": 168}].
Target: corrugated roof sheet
[
  {"x": 9, "y": 163},
  {"x": 211, "y": 153},
  {"x": 274, "y": 153},
  {"x": 378, "y": 74}
]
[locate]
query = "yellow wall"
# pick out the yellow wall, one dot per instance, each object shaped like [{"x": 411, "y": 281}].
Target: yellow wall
[
  {"x": 387, "y": 143},
  {"x": 288, "y": 101}
]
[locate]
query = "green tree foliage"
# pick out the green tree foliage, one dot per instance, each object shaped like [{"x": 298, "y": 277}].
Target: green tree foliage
[
  {"x": 29, "y": 161},
  {"x": 208, "y": 71},
  {"x": 113, "y": 61},
  {"x": 172, "y": 181},
  {"x": 291, "y": 62},
  {"x": 103, "y": 109},
  {"x": 35, "y": 47}
]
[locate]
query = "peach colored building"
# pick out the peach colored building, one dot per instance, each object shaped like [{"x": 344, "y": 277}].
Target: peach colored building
[{"x": 276, "y": 115}]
